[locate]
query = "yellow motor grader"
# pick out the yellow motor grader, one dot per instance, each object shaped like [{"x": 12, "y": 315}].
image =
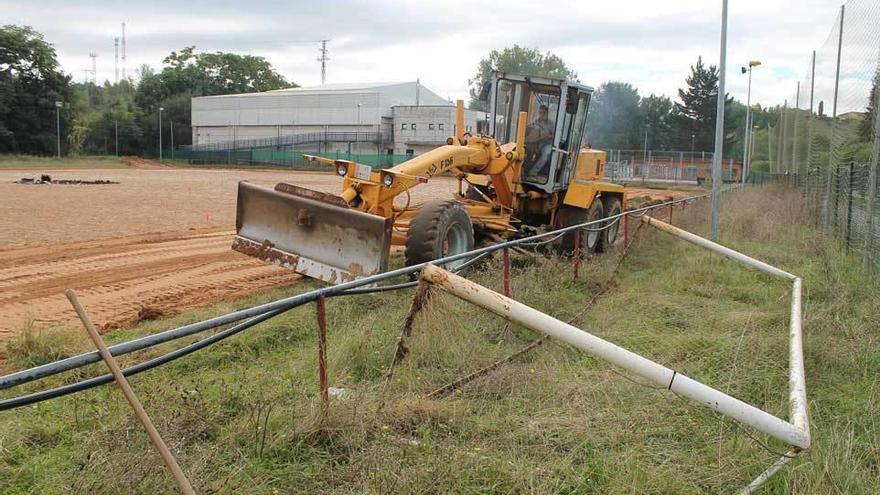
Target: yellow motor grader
[{"x": 532, "y": 172}]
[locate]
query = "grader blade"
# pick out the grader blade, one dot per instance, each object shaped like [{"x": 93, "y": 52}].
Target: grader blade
[{"x": 313, "y": 233}]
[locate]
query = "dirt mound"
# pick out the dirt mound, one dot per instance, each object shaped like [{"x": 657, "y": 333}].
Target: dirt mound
[{"x": 145, "y": 163}]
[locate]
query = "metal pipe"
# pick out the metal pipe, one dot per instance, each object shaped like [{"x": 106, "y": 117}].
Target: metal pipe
[
  {"x": 284, "y": 304},
  {"x": 658, "y": 374},
  {"x": 797, "y": 384},
  {"x": 718, "y": 248},
  {"x": 770, "y": 471}
]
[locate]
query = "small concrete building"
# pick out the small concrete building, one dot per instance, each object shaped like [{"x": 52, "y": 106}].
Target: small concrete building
[{"x": 382, "y": 118}]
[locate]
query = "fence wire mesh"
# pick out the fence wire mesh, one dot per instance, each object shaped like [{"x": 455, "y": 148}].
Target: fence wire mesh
[{"x": 826, "y": 136}]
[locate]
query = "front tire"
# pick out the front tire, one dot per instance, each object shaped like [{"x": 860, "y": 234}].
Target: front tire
[
  {"x": 439, "y": 229},
  {"x": 594, "y": 238},
  {"x": 609, "y": 235}
]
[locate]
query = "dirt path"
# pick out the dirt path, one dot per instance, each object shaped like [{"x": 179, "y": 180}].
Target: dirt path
[{"x": 116, "y": 278}]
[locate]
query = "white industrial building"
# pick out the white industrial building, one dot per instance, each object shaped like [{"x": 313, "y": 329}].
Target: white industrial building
[{"x": 392, "y": 118}]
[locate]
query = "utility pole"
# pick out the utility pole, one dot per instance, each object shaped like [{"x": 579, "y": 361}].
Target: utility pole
[
  {"x": 693, "y": 139},
  {"x": 116, "y": 133},
  {"x": 58, "y": 105},
  {"x": 171, "y": 124},
  {"x": 323, "y": 59},
  {"x": 719, "y": 127},
  {"x": 160, "y": 133},
  {"x": 645, "y": 149}
]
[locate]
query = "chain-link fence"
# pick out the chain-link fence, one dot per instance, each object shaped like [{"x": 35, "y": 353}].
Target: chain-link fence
[
  {"x": 826, "y": 135},
  {"x": 269, "y": 158},
  {"x": 667, "y": 166}
]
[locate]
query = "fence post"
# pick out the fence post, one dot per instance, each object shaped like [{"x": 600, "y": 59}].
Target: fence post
[
  {"x": 833, "y": 119},
  {"x": 322, "y": 350},
  {"x": 625, "y": 230},
  {"x": 506, "y": 272},
  {"x": 577, "y": 252},
  {"x": 871, "y": 194},
  {"x": 849, "y": 204}
]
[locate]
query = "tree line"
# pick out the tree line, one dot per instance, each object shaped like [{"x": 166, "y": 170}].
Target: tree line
[{"x": 93, "y": 115}]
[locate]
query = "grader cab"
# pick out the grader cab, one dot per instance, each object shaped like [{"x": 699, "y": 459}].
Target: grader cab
[{"x": 533, "y": 170}]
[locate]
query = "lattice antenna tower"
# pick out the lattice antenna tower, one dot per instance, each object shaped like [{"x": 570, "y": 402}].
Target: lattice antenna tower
[
  {"x": 116, "y": 59},
  {"x": 123, "y": 50},
  {"x": 323, "y": 59}
]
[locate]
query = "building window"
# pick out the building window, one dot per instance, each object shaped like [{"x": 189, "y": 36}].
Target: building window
[
  {"x": 440, "y": 127},
  {"x": 430, "y": 127},
  {"x": 402, "y": 127},
  {"x": 412, "y": 126}
]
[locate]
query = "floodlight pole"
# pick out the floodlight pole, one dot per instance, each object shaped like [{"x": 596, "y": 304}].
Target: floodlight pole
[
  {"x": 58, "y": 105},
  {"x": 160, "y": 133},
  {"x": 748, "y": 129},
  {"x": 719, "y": 127}
]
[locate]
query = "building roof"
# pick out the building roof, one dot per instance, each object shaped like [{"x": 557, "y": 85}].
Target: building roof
[
  {"x": 325, "y": 88},
  {"x": 403, "y": 92}
]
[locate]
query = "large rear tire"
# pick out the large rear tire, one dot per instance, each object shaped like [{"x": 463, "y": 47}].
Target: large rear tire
[
  {"x": 571, "y": 215},
  {"x": 609, "y": 235},
  {"x": 439, "y": 229}
]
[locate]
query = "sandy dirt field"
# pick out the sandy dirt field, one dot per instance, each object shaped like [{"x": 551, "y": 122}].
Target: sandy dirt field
[{"x": 160, "y": 239}]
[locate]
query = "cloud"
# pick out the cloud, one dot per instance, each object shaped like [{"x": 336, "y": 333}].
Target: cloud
[{"x": 647, "y": 43}]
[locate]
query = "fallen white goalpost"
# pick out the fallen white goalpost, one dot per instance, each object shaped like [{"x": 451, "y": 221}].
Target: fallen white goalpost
[{"x": 794, "y": 432}]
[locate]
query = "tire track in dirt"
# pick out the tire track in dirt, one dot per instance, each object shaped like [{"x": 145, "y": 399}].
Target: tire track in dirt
[{"x": 116, "y": 278}]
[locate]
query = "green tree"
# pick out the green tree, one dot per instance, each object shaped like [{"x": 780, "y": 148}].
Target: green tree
[
  {"x": 30, "y": 84},
  {"x": 866, "y": 126},
  {"x": 695, "y": 113},
  {"x": 188, "y": 74},
  {"x": 614, "y": 118},
  {"x": 657, "y": 119},
  {"x": 517, "y": 60}
]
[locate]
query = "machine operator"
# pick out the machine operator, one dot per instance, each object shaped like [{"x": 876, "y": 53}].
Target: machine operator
[{"x": 539, "y": 139}]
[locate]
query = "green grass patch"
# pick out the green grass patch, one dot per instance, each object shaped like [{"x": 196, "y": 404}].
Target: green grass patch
[
  {"x": 244, "y": 417},
  {"x": 29, "y": 162}
]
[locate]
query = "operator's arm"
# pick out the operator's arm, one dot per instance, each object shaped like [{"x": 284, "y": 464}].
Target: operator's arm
[{"x": 533, "y": 133}]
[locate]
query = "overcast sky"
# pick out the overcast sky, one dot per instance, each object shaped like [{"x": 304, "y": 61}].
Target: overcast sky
[{"x": 648, "y": 43}]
